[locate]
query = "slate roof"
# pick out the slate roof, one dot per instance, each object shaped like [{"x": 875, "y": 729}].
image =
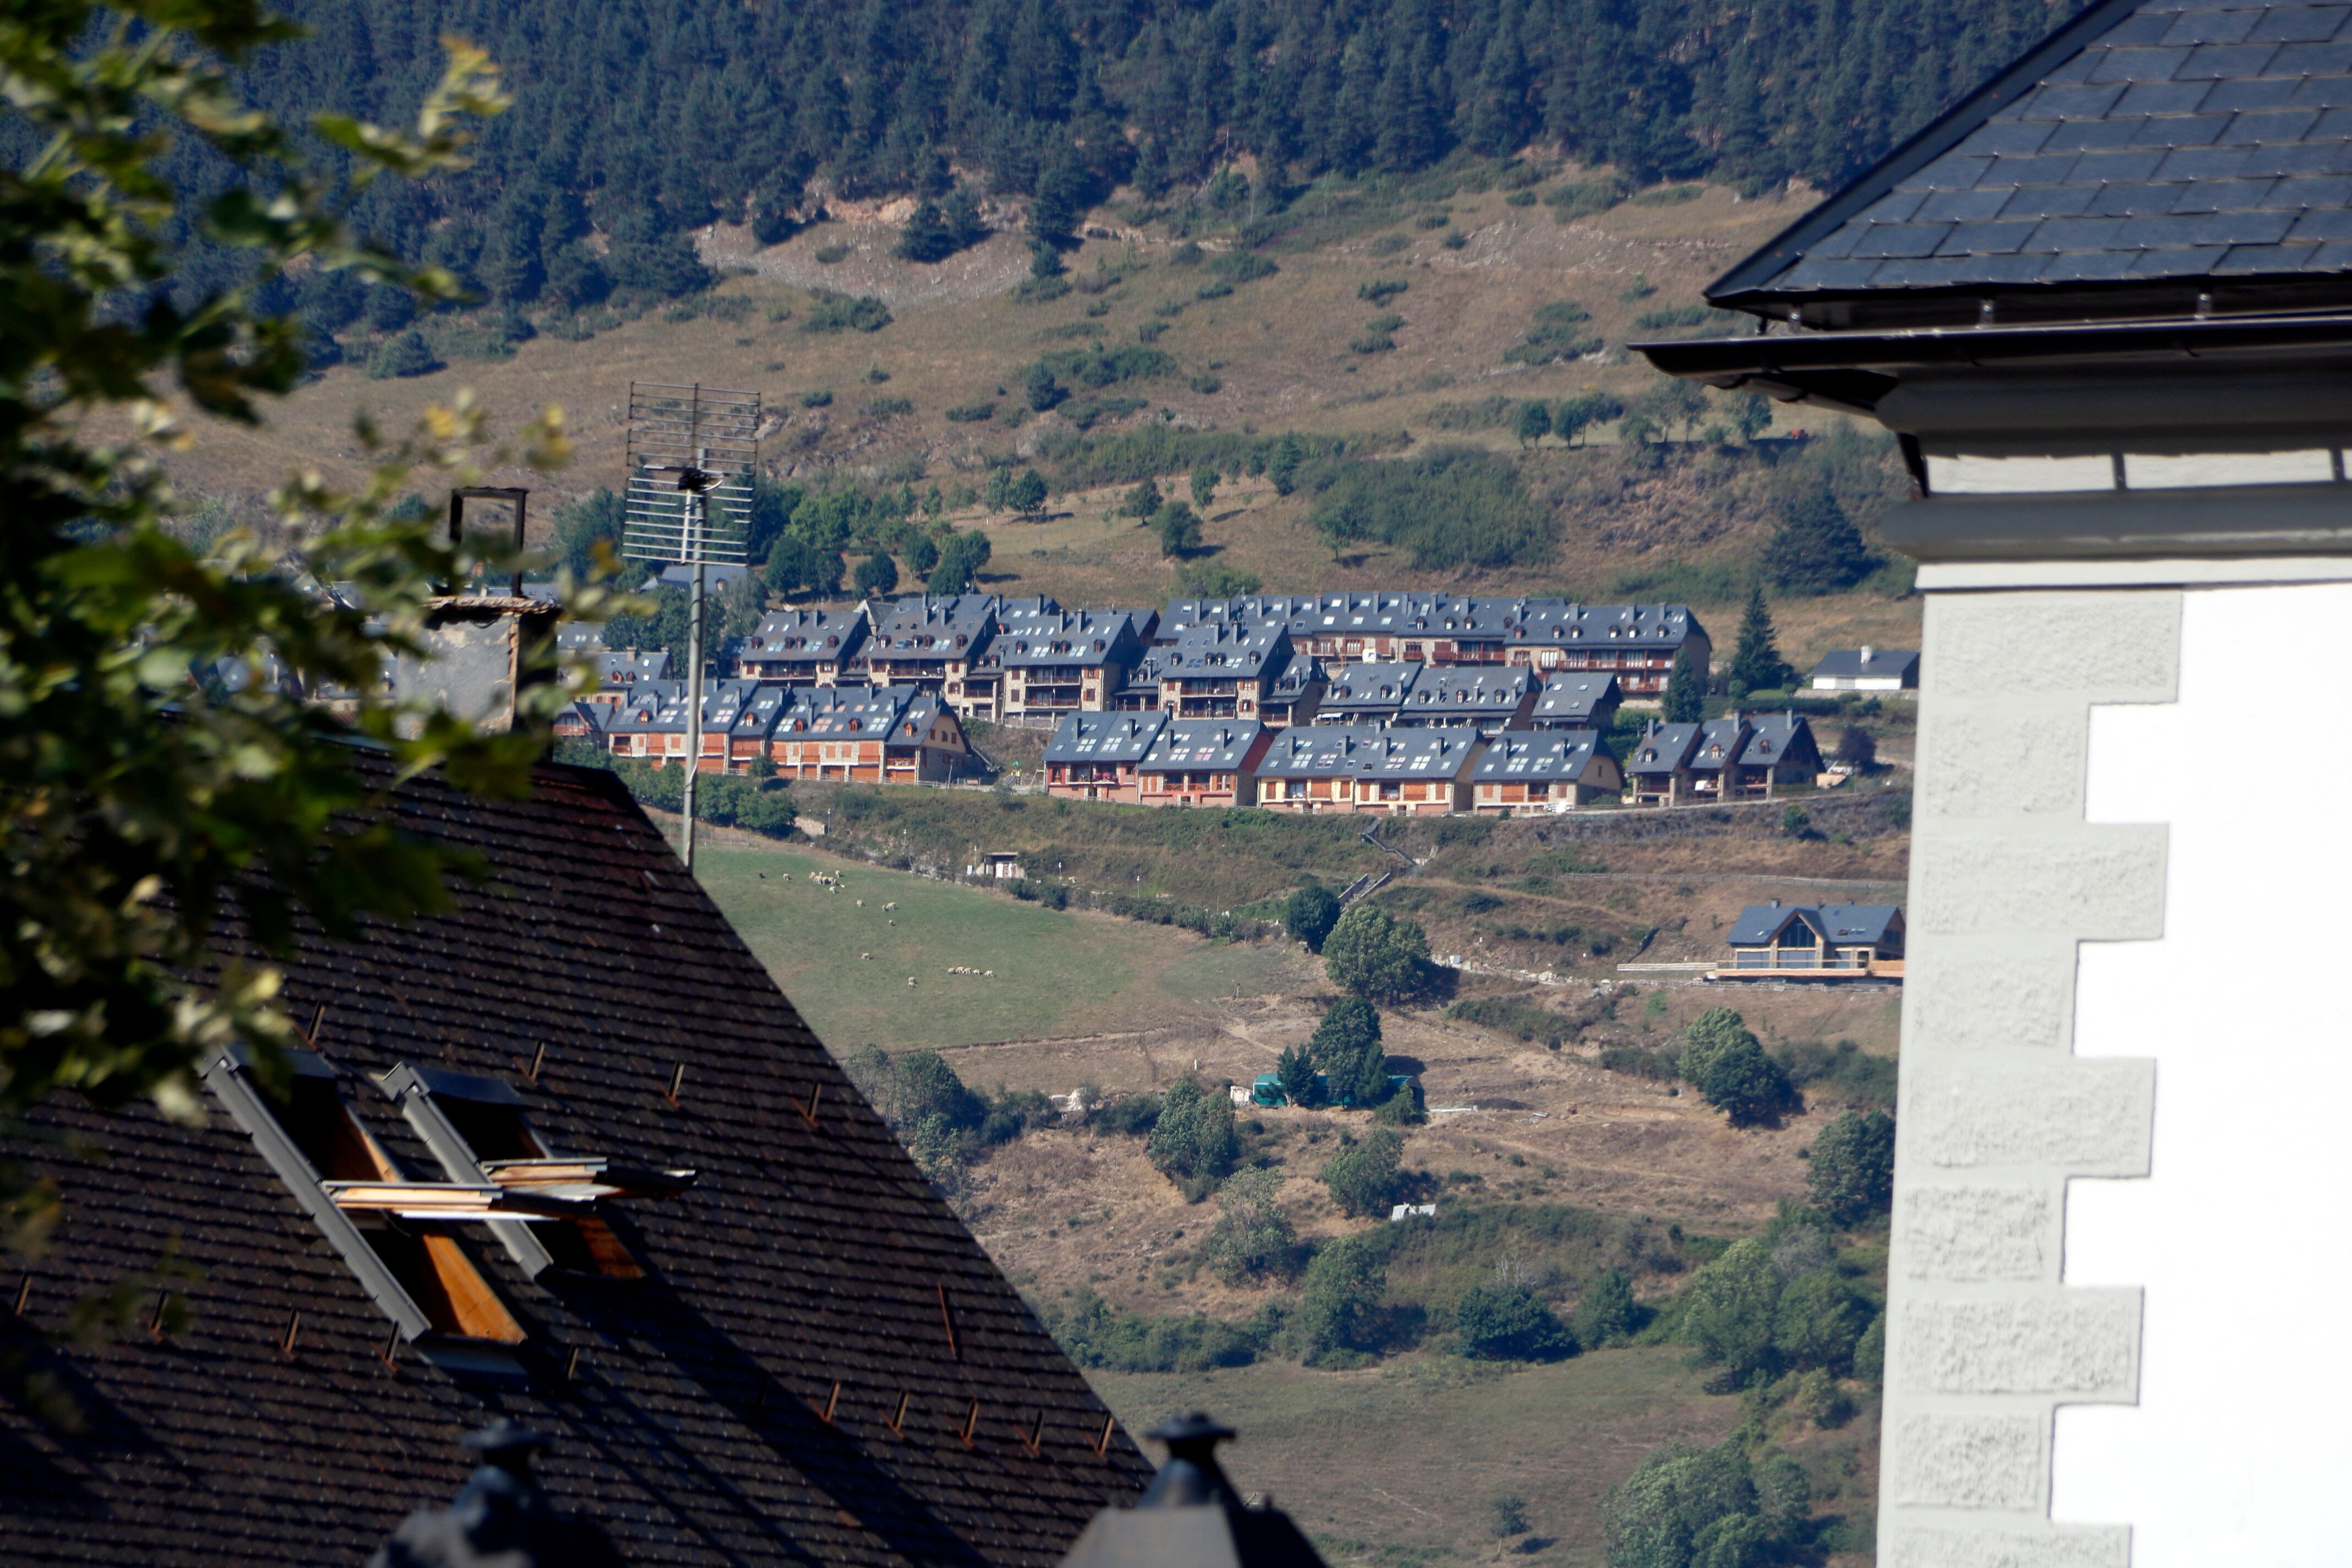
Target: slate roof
[
  {"x": 1066, "y": 637},
  {"x": 2147, "y": 141},
  {"x": 1563, "y": 755},
  {"x": 1361, "y": 691},
  {"x": 1718, "y": 743},
  {"x": 925, "y": 628},
  {"x": 1575, "y": 701},
  {"x": 1211, "y": 652},
  {"x": 1191, "y": 743},
  {"x": 1775, "y": 738},
  {"x": 1870, "y": 924},
  {"x": 1664, "y": 749},
  {"x": 650, "y": 707},
  {"x": 1875, "y": 663},
  {"x": 1103, "y": 737},
  {"x": 624, "y": 670},
  {"x": 806, "y": 1252},
  {"x": 1468, "y": 694},
  {"x": 805, "y": 637},
  {"x": 1365, "y": 751}
]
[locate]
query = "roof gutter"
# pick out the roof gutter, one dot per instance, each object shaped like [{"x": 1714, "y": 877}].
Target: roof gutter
[{"x": 1853, "y": 371}]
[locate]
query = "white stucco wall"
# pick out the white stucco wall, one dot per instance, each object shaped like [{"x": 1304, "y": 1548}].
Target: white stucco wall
[{"x": 2238, "y": 1448}]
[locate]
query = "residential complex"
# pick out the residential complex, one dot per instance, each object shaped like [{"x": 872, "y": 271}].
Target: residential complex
[{"x": 1393, "y": 702}]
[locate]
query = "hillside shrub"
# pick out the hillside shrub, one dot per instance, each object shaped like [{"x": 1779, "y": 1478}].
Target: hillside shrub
[
  {"x": 1606, "y": 1313},
  {"x": 1554, "y": 336},
  {"x": 1514, "y": 1015},
  {"x": 1339, "y": 1308},
  {"x": 1730, "y": 1068},
  {"x": 1194, "y": 1142},
  {"x": 1451, "y": 507},
  {"x": 405, "y": 355},
  {"x": 1850, "y": 1173},
  {"x": 836, "y": 313},
  {"x": 1362, "y": 1179},
  {"x": 1510, "y": 1322},
  {"x": 1095, "y": 1334},
  {"x": 1252, "y": 1241},
  {"x": 1844, "y": 1071},
  {"x": 1310, "y": 914}
]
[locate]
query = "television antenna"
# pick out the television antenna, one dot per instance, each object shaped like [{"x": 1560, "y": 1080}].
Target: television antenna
[{"x": 692, "y": 451}]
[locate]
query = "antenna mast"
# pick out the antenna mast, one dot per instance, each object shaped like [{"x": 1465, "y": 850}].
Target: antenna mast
[{"x": 692, "y": 451}]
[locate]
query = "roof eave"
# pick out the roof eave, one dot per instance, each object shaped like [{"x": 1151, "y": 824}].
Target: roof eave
[{"x": 1854, "y": 370}]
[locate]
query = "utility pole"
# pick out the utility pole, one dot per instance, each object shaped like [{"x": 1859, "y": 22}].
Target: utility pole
[{"x": 695, "y": 528}]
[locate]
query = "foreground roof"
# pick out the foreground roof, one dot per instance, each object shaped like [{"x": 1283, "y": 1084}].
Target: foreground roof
[
  {"x": 688, "y": 1408},
  {"x": 2140, "y": 152}
]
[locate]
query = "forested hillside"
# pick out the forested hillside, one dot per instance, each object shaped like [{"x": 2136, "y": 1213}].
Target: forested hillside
[{"x": 646, "y": 118}]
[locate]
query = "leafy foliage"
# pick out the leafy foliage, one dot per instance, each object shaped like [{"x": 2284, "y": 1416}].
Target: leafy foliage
[
  {"x": 1339, "y": 1305},
  {"x": 1310, "y": 914},
  {"x": 1362, "y": 1178},
  {"x": 1730, "y": 1068},
  {"x": 1851, "y": 1173},
  {"x": 1377, "y": 956},
  {"x": 1252, "y": 1241},
  {"x": 1510, "y": 1322},
  {"x": 1194, "y": 1142},
  {"x": 160, "y": 755},
  {"x": 1346, "y": 1048}
]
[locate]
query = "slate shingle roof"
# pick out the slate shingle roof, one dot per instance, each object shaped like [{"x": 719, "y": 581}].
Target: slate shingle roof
[
  {"x": 804, "y": 1254},
  {"x": 2148, "y": 141}
]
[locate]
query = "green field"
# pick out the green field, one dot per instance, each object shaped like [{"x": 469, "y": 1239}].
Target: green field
[
  {"x": 1399, "y": 1464},
  {"x": 1056, "y": 973}
]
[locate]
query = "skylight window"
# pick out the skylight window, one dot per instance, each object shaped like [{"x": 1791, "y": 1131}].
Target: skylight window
[
  {"x": 478, "y": 1130},
  {"x": 397, "y": 1237}
]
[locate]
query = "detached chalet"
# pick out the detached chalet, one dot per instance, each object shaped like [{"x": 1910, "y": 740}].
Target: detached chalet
[
  {"x": 1815, "y": 941},
  {"x": 1357, "y": 768},
  {"x": 1531, "y": 772},
  {"x": 1093, "y": 756},
  {"x": 512, "y": 1176},
  {"x": 1203, "y": 761},
  {"x": 1659, "y": 770},
  {"x": 803, "y": 647},
  {"x": 1867, "y": 670}
]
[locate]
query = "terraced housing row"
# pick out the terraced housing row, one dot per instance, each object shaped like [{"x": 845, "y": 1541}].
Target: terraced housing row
[{"x": 1389, "y": 703}]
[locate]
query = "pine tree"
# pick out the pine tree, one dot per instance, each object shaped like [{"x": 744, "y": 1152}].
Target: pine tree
[
  {"x": 1816, "y": 548},
  {"x": 927, "y": 237},
  {"x": 1756, "y": 664},
  {"x": 1686, "y": 701}
]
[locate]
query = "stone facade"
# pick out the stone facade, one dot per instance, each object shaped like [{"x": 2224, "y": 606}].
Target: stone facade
[{"x": 1985, "y": 1341}]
